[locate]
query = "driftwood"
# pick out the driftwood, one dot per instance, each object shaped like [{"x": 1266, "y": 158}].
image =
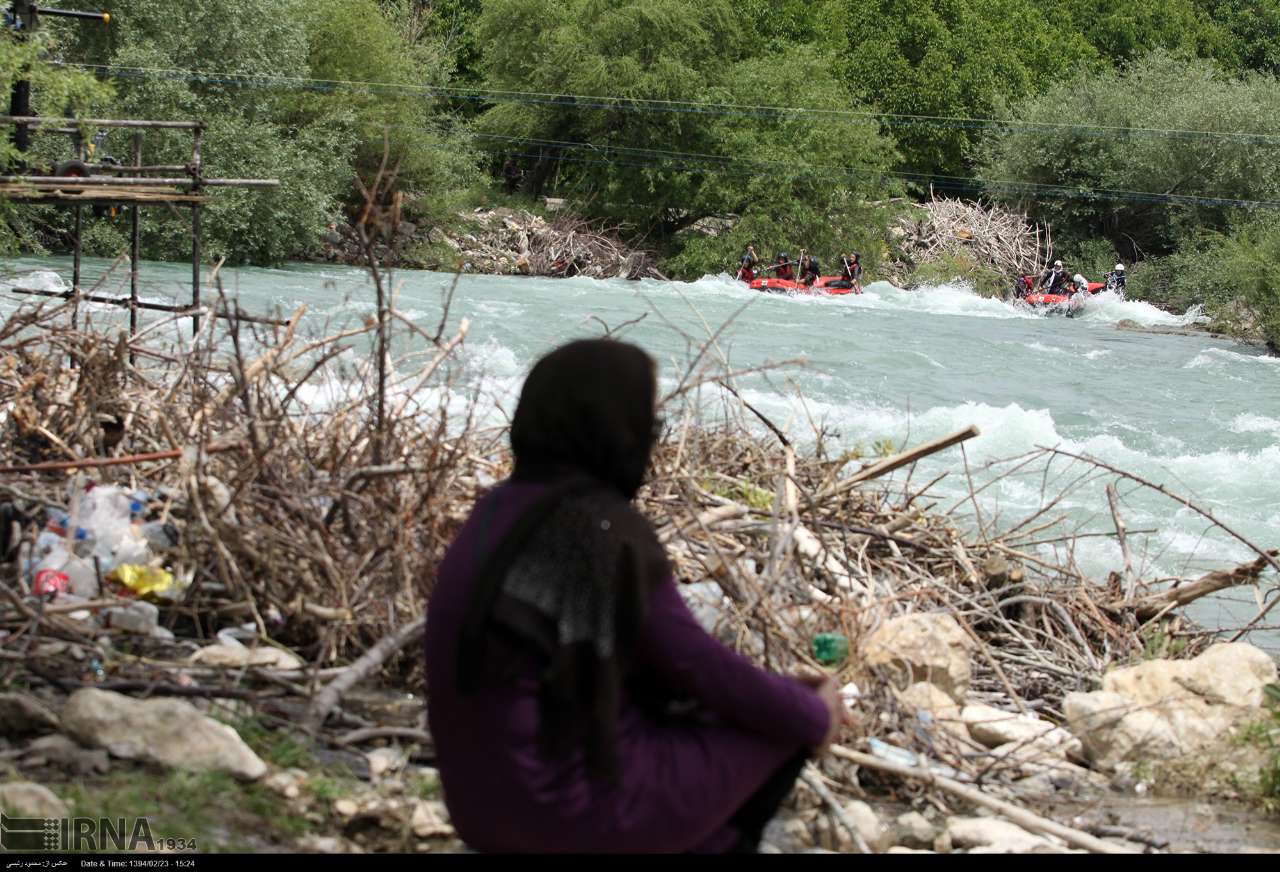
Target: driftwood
[
  {"x": 514, "y": 242},
  {"x": 898, "y": 461},
  {"x": 989, "y": 235},
  {"x": 327, "y": 549},
  {"x": 811, "y": 777},
  {"x": 1155, "y": 604},
  {"x": 327, "y": 699}
]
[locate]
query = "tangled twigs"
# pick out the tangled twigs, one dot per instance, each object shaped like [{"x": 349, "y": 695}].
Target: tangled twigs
[{"x": 994, "y": 237}]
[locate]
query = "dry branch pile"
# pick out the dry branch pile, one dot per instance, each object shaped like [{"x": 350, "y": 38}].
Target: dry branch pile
[
  {"x": 514, "y": 242},
  {"x": 311, "y": 523},
  {"x": 987, "y": 234}
]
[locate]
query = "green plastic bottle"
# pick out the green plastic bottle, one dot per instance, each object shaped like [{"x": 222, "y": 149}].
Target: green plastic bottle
[{"x": 829, "y": 649}]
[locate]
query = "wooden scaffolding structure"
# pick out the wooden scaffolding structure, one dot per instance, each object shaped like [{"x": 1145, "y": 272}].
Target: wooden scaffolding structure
[{"x": 80, "y": 182}]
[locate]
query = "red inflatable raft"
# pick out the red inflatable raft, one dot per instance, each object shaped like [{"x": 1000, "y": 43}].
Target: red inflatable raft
[
  {"x": 1062, "y": 301},
  {"x": 826, "y": 286}
]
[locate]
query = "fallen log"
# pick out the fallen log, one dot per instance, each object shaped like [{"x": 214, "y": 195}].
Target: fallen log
[
  {"x": 1154, "y": 604},
  {"x": 327, "y": 699}
]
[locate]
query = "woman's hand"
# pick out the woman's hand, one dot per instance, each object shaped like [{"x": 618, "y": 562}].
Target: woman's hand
[{"x": 829, "y": 692}]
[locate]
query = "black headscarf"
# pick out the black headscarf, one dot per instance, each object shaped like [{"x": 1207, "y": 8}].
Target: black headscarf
[{"x": 573, "y": 575}]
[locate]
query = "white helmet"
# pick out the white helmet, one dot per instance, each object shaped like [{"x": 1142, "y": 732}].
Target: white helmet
[
  {"x": 1119, "y": 267},
  {"x": 1079, "y": 279},
  {"x": 1057, "y": 264}
]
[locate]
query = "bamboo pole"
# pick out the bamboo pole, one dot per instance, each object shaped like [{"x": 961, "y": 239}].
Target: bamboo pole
[
  {"x": 154, "y": 307},
  {"x": 134, "y": 248},
  {"x": 136, "y": 182}
]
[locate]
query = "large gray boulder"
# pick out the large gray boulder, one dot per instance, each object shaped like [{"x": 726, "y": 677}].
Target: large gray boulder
[{"x": 165, "y": 731}]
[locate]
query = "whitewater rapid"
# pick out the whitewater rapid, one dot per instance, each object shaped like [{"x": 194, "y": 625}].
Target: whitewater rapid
[{"x": 1196, "y": 414}]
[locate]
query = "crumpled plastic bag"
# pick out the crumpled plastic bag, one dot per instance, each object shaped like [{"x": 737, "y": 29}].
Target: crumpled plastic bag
[{"x": 142, "y": 580}]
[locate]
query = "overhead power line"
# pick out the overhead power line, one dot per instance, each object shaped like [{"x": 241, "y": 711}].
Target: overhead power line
[
  {"x": 638, "y": 104},
  {"x": 634, "y": 156},
  {"x": 658, "y": 158}
]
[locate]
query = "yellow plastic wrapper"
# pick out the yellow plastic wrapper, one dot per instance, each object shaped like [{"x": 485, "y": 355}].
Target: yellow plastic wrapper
[{"x": 142, "y": 580}]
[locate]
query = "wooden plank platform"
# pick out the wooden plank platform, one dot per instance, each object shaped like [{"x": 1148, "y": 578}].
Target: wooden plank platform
[{"x": 62, "y": 190}]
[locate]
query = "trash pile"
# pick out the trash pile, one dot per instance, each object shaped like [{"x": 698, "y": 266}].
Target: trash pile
[
  {"x": 970, "y": 653},
  {"x": 102, "y": 544},
  {"x": 204, "y": 497}
]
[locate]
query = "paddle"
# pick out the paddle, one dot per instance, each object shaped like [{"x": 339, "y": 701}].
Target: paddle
[
  {"x": 776, "y": 265},
  {"x": 848, "y": 268}
]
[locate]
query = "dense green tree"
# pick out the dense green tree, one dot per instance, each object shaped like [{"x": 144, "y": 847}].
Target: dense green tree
[
  {"x": 162, "y": 72},
  {"x": 772, "y": 25},
  {"x": 55, "y": 91},
  {"x": 1235, "y": 275},
  {"x": 1185, "y": 121},
  {"x": 452, "y": 25},
  {"x": 313, "y": 92},
  {"x": 1125, "y": 29},
  {"x": 399, "y": 120},
  {"x": 661, "y": 171},
  {"x": 1252, "y": 33},
  {"x": 955, "y": 58}
]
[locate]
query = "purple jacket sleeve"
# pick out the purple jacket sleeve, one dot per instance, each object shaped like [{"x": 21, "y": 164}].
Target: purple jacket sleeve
[{"x": 674, "y": 645}]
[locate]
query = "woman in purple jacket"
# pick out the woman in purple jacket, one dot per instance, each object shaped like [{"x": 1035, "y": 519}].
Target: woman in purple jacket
[{"x": 575, "y": 703}]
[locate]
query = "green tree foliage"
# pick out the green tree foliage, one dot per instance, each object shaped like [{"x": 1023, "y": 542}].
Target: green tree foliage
[
  {"x": 1235, "y": 275},
  {"x": 451, "y": 23},
  {"x": 773, "y": 25},
  {"x": 1197, "y": 107},
  {"x": 397, "y": 121},
  {"x": 953, "y": 58},
  {"x": 1252, "y": 33},
  {"x": 661, "y": 171},
  {"x": 55, "y": 91},
  {"x": 1123, "y": 29},
  {"x": 278, "y": 84},
  {"x": 252, "y": 132}
]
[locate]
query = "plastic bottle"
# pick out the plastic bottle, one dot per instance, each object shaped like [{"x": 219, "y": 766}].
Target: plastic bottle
[
  {"x": 829, "y": 649},
  {"x": 159, "y": 534},
  {"x": 59, "y": 572},
  {"x": 106, "y": 514}
]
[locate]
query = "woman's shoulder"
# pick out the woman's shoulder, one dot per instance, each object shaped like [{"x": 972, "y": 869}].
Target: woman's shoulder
[{"x": 607, "y": 514}]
